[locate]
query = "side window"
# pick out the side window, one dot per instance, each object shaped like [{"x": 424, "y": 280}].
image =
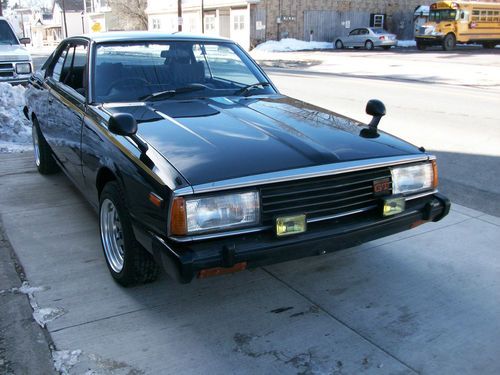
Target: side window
[
  {"x": 354, "y": 32},
  {"x": 364, "y": 32},
  {"x": 58, "y": 66},
  {"x": 73, "y": 70}
]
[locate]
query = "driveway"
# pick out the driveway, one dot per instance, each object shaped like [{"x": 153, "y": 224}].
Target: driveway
[{"x": 423, "y": 301}]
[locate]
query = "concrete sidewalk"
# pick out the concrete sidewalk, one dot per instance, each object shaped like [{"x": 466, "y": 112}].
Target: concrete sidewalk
[{"x": 423, "y": 301}]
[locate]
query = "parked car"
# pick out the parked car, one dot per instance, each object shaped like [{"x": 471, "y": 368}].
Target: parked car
[
  {"x": 15, "y": 61},
  {"x": 367, "y": 37},
  {"x": 195, "y": 161}
]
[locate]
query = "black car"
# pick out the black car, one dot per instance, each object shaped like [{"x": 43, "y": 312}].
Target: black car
[{"x": 197, "y": 163}]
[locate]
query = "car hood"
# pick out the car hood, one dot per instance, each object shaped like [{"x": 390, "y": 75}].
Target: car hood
[
  {"x": 214, "y": 139},
  {"x": 13, "y": 53}
]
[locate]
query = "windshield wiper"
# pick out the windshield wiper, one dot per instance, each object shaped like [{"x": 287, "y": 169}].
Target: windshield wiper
[
  {"x": 160, "y": 95},
  {"x": 246, "y": 89}
]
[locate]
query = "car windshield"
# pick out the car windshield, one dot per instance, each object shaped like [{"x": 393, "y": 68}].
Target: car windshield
[
  {"x": 442, "y": 15},
  {"x": 177, "y": 69},
  {"x": 6, "y": 34},
  {"x": 379, "y": 31}
]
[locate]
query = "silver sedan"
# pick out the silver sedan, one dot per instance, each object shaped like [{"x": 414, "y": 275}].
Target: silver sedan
[{"x": 367, "y": 37}]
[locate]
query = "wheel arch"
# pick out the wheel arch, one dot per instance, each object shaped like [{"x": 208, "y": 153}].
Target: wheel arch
[{"x": 104, "y": 176}]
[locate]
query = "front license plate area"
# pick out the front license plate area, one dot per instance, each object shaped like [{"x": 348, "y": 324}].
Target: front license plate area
[
  {"x": 288, "y": 225},
  {"x": 393, "y": 206}
]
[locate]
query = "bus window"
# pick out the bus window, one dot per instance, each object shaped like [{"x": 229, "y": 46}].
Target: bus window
[{"x": 439, "y": 15}]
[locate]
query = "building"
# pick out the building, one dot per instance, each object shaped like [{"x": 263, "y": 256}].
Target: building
[
  {"x": 250, "y": 22},
  {"x": 73, "y": 22}
]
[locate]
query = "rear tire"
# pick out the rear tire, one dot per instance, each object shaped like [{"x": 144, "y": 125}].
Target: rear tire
[
  {"x": 128, "y": 262},
  {"x": 449, "y": 42},
  {"x": 369, "y": 45},
  {"x": 339, "y": 44},
  {"x": 44, "y": 158}
]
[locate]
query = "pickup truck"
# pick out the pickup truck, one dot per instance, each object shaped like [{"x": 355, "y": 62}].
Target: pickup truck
[{"x": 15, "y": 61}]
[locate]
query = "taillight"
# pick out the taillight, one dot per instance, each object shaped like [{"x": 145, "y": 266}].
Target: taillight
[{"x": 381, "y": 37}]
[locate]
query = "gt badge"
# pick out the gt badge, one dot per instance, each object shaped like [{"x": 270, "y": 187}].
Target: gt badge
[{"x": 382, "y": 187}]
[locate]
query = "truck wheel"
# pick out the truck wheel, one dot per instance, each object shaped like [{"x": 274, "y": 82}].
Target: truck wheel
[
  {"x": 449, "y": 42},
  {"x": 421, "y": 46},
  {"x": 44, "y": 159},
  {"x": 339, "y": 44},
  {"x": 128, "y": 262},
  {"x": 369, "y": 45}
]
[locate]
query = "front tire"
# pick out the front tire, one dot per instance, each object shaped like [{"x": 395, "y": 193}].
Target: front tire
[
  {"x": 339, "y": 44},
  {"x": 369, "y": 45},
  {"x": 449, "y": 42},
  {"x": 128, "y": 262},
  {"x": 44, "y": 158}
]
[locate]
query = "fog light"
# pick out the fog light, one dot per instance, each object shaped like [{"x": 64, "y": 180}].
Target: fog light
[
  {"x": 290, "y": 225},
  {"x": 393, "y": 206}
]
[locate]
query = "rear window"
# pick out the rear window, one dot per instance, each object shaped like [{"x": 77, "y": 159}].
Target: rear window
[
  {"x": 6, "y": 34},
  {"x": 379, "y": 31}
]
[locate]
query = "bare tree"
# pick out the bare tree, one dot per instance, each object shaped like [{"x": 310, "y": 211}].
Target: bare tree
[{"x": 130, "y": 14}]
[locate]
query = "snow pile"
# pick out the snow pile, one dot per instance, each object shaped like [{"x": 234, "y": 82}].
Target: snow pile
[
  {"x": 41, "y": 315},
  {"x": 65, "y": 359},
  {"x": 290, "y": 44},
  {"x": 15, "y": 129},
  {"x": 406, "y": 43}
]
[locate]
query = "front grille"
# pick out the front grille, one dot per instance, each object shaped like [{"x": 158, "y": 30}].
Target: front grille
[
  {"x": 6, "y": 66},
  {"x": 321, "y": 196},
  {"x": 6, "y": 74}
]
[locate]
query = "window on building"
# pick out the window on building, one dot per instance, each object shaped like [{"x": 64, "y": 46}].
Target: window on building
[
  {"x": 378, "y": 20},
  {"x": 210, "y": 23},
  {"x": 239, "y": 22},
  {"x": 156, "y": 24}
]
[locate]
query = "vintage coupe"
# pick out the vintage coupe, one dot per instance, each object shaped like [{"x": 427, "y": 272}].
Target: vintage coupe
[{"x": 195, "y": 162}]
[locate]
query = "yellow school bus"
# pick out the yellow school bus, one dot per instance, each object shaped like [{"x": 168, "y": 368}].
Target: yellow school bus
[{"x": 452, "y": 22}]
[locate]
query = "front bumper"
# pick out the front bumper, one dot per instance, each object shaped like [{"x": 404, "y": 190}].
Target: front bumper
[
  {"x": 17, "y": 79},
  {"x": 430, "y": 40},
  {"x": 184, "y": 261}
]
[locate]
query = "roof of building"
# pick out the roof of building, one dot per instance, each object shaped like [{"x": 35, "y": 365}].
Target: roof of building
[
  {"x": 127, "y": 36},
  {"x": 71, "y": 5}
]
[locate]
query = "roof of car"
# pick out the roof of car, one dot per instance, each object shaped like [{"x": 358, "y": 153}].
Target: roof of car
[{"x": 128, "y": 36}]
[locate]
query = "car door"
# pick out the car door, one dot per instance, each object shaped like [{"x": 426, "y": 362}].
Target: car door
[
  {"x": 66, "y": 106},
  {"x": 351, "y": 38}
]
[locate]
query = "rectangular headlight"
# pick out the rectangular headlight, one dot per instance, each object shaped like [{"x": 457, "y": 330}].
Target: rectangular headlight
[
  {"x": 215, "y": 213},
  {"x": 413, "y": 178},
  {"x": 23, "y": 68}
]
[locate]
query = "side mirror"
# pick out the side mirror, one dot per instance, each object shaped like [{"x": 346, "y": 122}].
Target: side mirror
[
  {"x": 376, "y": 109},
  {"x": 124, "y": 124},
  {"x": 25, "y": 41}
]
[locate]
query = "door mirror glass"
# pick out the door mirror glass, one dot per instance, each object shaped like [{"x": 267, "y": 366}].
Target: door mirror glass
[{"x": 25, "y": 41}]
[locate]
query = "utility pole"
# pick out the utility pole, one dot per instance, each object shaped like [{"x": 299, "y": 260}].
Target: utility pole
[
  {"x": 64, "y": 19},
  {"x": 202, "y": 18},
  {"x": 1, "y": 6},
  {"x": 179, "y": 14}
]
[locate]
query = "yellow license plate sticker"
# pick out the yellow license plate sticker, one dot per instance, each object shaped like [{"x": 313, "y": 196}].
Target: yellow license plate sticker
[
  {"x": 393, "y": 206},
  {"x": 288, "y": 225}
]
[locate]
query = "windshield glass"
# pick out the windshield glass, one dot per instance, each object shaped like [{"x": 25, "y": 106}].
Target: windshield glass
[
  {"x": 165, "y": 70},
  {"x": 442, "y": 15},
  {"x": 6, "y": 34}
]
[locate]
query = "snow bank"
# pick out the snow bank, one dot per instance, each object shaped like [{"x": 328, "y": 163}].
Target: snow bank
[
  {"x": 406, "y": 43},
  {"x": 290, "y": 44},
  {"x": 15, "y": 129},
  {"x": 65, "y": 359}
]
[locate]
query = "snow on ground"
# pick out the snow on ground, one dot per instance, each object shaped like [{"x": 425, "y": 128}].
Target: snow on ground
[
  {"x": 290, "y": 44},
  {"x": 406, "y": 43},
  {"x": 65, "y": 359},
  {"x": 15, "y": 129}
]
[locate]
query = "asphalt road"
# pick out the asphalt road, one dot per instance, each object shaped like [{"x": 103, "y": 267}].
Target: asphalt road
[{"x": 460, "y": 125}]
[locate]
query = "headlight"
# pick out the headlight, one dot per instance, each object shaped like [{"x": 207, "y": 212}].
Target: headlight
[
  {"x": 414, "y": 178},
  {"x": 214, "y": 213},
  {"x": 23, "y": 68}
]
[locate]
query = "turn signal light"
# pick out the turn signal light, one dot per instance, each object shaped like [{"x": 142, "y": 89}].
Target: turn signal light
[
  {"x": 435, "y": 179},
  {"x": 217, "y": 271},
  {"x": 178, "y": 223}
]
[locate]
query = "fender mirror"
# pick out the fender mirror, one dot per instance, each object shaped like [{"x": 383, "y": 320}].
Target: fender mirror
[
  {"x": 124, "y": 124},
  {"x": 376, "y": 109},
  {"x": 25, "y": 41}
]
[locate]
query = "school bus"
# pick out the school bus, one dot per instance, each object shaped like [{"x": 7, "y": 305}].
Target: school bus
[{"x": 452, "y": 22}]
